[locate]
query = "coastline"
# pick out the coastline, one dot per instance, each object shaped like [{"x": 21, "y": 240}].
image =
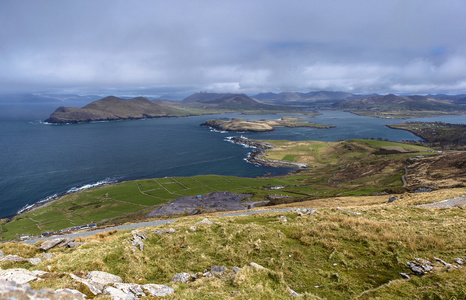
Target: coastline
[{"x": 259, "y": 148}]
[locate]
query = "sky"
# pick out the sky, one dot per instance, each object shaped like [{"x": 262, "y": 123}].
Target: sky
[{"x": 179, "y": 47}]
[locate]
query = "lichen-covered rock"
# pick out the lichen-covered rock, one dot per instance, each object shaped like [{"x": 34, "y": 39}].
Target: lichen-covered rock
[
  {"x": 183, "y": 277},
  {"x": 13, "y": 290},
  {"x": 14, "y": 258},
  {"x": 103, "y": 278},
  {"x": 48, "y": 244},
  {"x": 20, "y": 276},
  {"x": 118, "y": 294},
  {"x": 1, "y": 254},
  {"x": 217, "y": 270},
  {"x": 205, "y": 222},
  {"x": 420, "y": 266},
  {"x": 170, "y": 231},
  {"x": 133, "y": 288},
  {"x": 158, "y": 290},
  {"x": 34, "y": 260}
]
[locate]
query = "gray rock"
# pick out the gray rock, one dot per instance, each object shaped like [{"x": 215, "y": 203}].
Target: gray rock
[
  {"x": 47, "y": 255},
  {"x": 283, "y": 218},
  {"x": 118, "y": 294},
  {"x": 205, "y": 222},
  {"x": 73, "y": 244},
  {"x": 183, "y": 277},
  {"x": 158, "y": 290},
  {"x": 133, "y": 288},
  {"x": 442, "y": 261},
  {"x": 193, "y": 228},
  {"x": 392, "y": 198},
  {"x": 94, "y": 287},
  {"x": 236, "y": 270},
  {"x": 1, "y": 253},
  {"x": 460, "y": 261},
  {"x": 48, "y": 244},
  {"x": 13, "y": 290},
  {"x": 420, "y": 266},
  {"x": 20, "y": 276},
  {"x": 137, "y": 239},
  {"x": 35, "y": 260},
  {"x": 256, "y": 266},
  {"x": 170, "y": 231},
  {"x": 217, "y": 270},
  {"x": 311, "y": 212},
  {"x": 293, "y": 293},
  {"x": 103, "y": 278},
  {"x": 14, "y": 258},
  {"x": 405, "y": 275},
  {"x": 69, "y": 294}
]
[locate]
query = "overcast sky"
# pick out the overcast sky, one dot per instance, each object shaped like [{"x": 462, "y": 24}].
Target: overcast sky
[{"x": 405, "y": 46}]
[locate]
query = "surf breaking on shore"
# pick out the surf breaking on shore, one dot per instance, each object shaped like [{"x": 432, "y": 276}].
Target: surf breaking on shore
[{"x": 54, "y": 197}]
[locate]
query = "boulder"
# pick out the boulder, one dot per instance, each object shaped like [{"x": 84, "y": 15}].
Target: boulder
[
  {"x": 283, "y": 218},
  {"x": 118, "y": 294},
  {"x": 137, "y": 239},
  {"x": 170, "y": 231},
  {"x": 94, "y": 287},
  {"x": 420, "y": 266},
  {"x": 158, "y": 290},
  {"x": 293, "y": 293},
  {"x": 70, "y": 294},
  {"x": 205, "y": 222},
  {"x": 1, "y": 253},
  {"x": 128, "y": 288},
  {"x": 48, "y": 244},
  {"x": 217, "y": 270},
  {"x": 256, "y": 266},
  {"x": 13, "y": 290},
  {"x": 103, "y": 278},
  {"x": 236, "y": 270},
  {"x": 193, "y": 228},
  {"x": 183, "y": 277},
  {"x": 14, "y": 258},
  {"x": 460, "y": 261},
  {"x": 47, "y": 255},
  {"x": 392, "y": 198},
  {"x": 20, "y": 276},
  {"x": 34, "y": 260}
]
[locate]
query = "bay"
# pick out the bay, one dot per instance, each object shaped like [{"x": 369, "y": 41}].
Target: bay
[{"x": 40, "y": 160}]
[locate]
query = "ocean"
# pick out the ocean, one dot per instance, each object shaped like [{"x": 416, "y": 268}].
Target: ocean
[{"x": 42, "y": 160}]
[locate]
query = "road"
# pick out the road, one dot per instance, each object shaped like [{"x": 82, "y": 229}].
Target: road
[{"x": 150, "y": 223}]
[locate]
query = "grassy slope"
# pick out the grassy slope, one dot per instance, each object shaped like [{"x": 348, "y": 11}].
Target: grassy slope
[
  {"x": 331, "y": 255},
  {"x": 341, "y": 168}
]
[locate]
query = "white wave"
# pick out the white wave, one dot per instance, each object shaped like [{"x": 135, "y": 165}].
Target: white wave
[{"x": 91, "y": 185}]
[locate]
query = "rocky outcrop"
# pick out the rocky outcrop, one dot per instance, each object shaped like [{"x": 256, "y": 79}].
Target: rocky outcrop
[
  {"x": 19, "y": 259},
  {"x": 137, "y": 239},
  {"x": 14, "y": 290},
  {"x": 20, "y": 276},
  {"x": 216, "y": 201},
  {"x": 49, "y": 244},
  {"x": 105, "y": 283}
]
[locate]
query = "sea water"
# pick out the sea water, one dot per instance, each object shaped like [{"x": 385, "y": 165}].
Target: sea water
[{"x": 39, "y": 161}]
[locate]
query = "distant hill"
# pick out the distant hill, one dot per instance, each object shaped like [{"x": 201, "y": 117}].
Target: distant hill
[
  {"x": 296, "y": 97},
  {"x": 114, "y": 108},
  {"x": 229, "y": 101},
  {"x": 393, "y": 102}
]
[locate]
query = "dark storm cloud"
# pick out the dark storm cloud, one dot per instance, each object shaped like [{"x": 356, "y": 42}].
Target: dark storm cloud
[{"x": 249, "y": 46}]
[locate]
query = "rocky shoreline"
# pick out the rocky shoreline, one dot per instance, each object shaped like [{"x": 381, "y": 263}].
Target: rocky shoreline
[{"x": 259, "y": 148}]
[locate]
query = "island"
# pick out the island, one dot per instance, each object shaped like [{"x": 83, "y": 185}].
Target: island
[{"x": 241, "y": 125}]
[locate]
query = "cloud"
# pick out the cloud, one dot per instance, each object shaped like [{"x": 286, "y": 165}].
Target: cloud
[{"x": 360, "y": 46}]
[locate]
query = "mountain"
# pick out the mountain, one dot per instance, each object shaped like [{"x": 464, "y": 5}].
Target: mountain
[
  {"x": 114, "y": 108},
  {"x": 393, "y": 102},
  {"x": 228, "y": 101},
  {"x": 296, "y": 97}
]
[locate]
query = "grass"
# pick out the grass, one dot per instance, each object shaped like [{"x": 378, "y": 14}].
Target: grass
[{"x": 331, "y": 255}]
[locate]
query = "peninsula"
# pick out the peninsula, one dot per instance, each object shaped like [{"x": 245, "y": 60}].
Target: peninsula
[{"x": 241, "y": 125}]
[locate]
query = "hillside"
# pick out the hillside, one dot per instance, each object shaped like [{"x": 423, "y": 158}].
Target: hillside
[
  {"x": 340, "y": 248},
  {"x": 297, "y": 97},
  {"x": 114, "y": 108},
  {"x": 230, "y": 102},
  {"x": 398, "y": 107}
]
